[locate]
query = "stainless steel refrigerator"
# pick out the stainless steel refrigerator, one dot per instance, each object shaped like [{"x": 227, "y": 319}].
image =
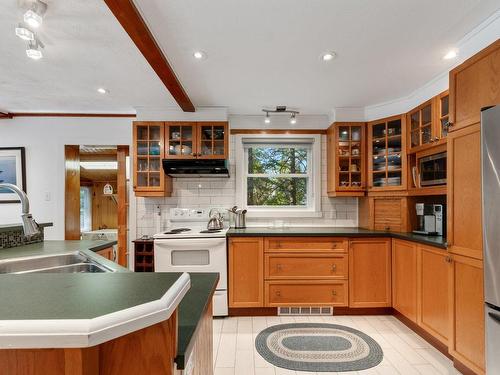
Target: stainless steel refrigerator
[{"x": 490, "y": 156}]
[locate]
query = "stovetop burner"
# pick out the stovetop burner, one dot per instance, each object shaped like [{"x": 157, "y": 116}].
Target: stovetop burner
[
  {"x": 210, "y": 231},
  {"x": 177, "y": 231}
]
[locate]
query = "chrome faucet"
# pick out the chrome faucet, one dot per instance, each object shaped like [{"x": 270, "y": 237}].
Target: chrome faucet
[{"x": 30, "y": 226}]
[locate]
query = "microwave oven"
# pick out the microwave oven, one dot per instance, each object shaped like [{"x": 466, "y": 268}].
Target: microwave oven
[{"x": 431, "y": 170}]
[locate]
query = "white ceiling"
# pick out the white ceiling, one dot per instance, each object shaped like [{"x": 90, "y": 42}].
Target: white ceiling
[
  {"x": 260, "y": 53},
  {"x": 86, "y": 48}
]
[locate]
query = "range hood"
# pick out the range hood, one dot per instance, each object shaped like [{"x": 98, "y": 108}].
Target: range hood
[{"x": 195, "y": 168}]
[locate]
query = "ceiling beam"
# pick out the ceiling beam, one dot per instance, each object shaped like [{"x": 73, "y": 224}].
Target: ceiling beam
[
  {"x": 5, "y": 115},
  {"x": 129, "y": 17}
]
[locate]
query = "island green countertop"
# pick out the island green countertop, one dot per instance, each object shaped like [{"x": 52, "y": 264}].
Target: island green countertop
[
  {"x": 191, "y": 310},
  {"x": 437, "y": 241}
]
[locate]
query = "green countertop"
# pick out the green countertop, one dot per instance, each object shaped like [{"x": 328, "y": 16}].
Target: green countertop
[
  {"x": 18, "y": 226},
  {"x": 191, "y": 310},
  {"x": 437, "y": 241},
  {"x": 78, "y": 295},
  {"x": 54, "y": 247}
]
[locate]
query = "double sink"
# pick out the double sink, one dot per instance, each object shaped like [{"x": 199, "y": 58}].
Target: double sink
[{"x": 74, "y": 262}]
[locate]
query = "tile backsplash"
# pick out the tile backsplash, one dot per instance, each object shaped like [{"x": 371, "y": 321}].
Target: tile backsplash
[
  {"x": 15, "y": 237},
  {"x": 152, "y": 213}
]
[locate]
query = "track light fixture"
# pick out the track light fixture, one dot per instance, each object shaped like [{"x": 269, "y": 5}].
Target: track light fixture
[
  {"x": 278, "y": 110},
  {"x": 34, "y": 15},
  {"x": 33, "y": 51},
  {"x": 24, "y": 33}
]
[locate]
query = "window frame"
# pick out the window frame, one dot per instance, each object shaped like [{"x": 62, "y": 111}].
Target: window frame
[
  {"x": 89, "y": 196},
  {"x": 313, "y": 207}
]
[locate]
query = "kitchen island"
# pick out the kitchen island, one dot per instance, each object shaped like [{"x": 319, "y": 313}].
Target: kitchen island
[{"x": 102, "y": 323}]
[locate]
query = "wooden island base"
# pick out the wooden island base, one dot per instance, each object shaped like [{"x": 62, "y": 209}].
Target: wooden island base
[{"x": 151, "y": 351}]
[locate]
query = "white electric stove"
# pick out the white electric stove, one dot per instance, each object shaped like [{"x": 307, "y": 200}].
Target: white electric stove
[{"x": 187, "y": 246}]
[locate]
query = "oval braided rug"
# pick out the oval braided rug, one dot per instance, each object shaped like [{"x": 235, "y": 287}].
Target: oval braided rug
[{"x": 318, "y": 347}]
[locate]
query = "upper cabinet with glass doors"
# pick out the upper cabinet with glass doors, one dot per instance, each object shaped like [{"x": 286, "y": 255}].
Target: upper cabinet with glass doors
[
  {"x": 428, "y": 123},
  {"x": 386, "y": 154},
  {"x": 196, "y": 140}
]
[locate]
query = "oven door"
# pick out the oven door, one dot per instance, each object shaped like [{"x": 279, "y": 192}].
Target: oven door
[
  {"x": 433, "y": 170},
  {"x": 192, "y": 255}
]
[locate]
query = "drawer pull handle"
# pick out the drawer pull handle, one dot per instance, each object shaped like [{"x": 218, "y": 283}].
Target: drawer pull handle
[
  {"x": 278, "y": 293},
  {"x": 448, "y": 259},
  {"x": 334, "y": 245},
  {"x": 334, "y": 293},
  {"x": 334, "y": 268},
  {"x": 279, "y": 267}
]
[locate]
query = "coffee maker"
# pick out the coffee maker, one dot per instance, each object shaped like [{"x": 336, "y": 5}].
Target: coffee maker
[{"x": 431, "y": 219}]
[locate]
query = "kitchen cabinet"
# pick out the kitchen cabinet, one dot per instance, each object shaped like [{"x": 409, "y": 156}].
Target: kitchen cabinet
[
  {"x": 428, "y": 123},
  {"x": 467, "y": 340},
  {"x": 306, "y": 244},
  {"x": 404, "y": 278},
  {"x": 144, "y": 260},
  {"x": 387, "y": 154},
  {"x": 346, "y": 159},
  {"x": 196, "y": 140},
  {"x": 384, "y": 213},
  {"x": 474, "y": 84},
  {"x": 306, "y": 266},
  {"x": 246, "y": 272},
  {"x": 464, "y": 192},
  {"x": 107, "y": 253},
  {"x": 149, "y": 178},
  {"x": 370, "y": 272},
  {"x": 433, "y": 291}
]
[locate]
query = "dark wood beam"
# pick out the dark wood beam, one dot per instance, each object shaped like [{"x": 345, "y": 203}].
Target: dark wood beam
[
  {"x": 129, "y": 17},
  {"x": 5, "y": 115}
]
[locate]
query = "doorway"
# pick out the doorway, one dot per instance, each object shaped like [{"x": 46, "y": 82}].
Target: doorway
[{"x": 96, "y": 195}]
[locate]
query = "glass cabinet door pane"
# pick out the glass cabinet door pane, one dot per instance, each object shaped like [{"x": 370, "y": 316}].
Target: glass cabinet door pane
[
  {"x": 187, "y": 133},
  {"x": 445, "y": 106},
  {"x": 142, "y": 133},
  {"x": 355, "y": 133},
  {"x": 426, "y": 115},
  {"x": 378, "y": 130},
  {"x": 154, "y": 148},
  {"x": 344, "y": 133},
  {"x": 415, "y": 120},
  {"x": 426, "y": 134},
  {"x": 154, "y": 164},
  {"x": 174, "y": 133},
  {"x": 444, "y": 126},
  {"x": 206, "y": 132},
  {"x": 142, "y": 148},
  {"x": 206, "y": 148},
  {"x": 219, "y": 133},
  {"x": 142, "y": 164},
  {"x": 154, "y": 133},
  {"x": 142, "y": 179},
  {"x": 415, "y": 138},
  {"x": 154, "y": 179}
]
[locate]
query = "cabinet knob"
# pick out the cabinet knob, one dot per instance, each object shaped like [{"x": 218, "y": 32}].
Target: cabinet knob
[
  {"x": 387, "y": 228},
  {"x": 436, "y": 139},
  {"x": 448, "y": 259},
  {"x": 334, "y": 245},
  {"x": 431, "y": 141},
  {"x": 278, "y": 293},
  {"x": 450, "y": 124},
  {"x": 334, "y": 293},
  {"x": 334, "y": 268},
  {"x": 279, "y": 267}
]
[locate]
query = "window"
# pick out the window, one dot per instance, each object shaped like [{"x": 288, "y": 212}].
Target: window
[
  {"x": 279, "y": 175},
  {"x": 85, "y": 209}
]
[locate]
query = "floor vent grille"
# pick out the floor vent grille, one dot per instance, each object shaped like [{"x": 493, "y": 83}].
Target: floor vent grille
[{"x": 307, "y": 311}]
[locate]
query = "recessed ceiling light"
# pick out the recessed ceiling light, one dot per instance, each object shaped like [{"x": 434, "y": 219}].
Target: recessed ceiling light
[
  {"x": 267, "y": 120},
  {"x": 293, "y": 119},
  {"x": 328, "y": 56},
  {"x": 33, "y": 50},
  {"x": 451, "y": 54},
  {"x": 199, "y": 55},
  {"x": 25, "y": 33},
  {"x": 101, "y": 90}
]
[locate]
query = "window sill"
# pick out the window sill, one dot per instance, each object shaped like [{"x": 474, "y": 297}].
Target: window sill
[{"x": 282, "y": 213}]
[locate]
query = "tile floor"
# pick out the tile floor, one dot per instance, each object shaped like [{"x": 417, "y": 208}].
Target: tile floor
[{"x": 405, "y": 353}]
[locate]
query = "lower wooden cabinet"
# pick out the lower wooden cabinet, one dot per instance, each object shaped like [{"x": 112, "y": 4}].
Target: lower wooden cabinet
[
  {"x": 107, "y": 253},
  {"x": 370, "y": 272},
  {"x": 404, "y": 278},
  {"x": 246, "y": 272},
  {"x": 433, "y": 292},
  {"x": 306, "y": 293},
  {"x": 467, "y": 341}
]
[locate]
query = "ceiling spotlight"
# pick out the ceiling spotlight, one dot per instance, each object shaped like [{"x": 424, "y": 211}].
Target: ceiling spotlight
[
  {"x": 34, "y": 15},
  {"x": 33, "y": 50},
  {"x": 267, "y": 120},
  {"x": 200, "y": 55},
  {"x": 101, "y": 90},
  {"x": 24, "y": 33},
  {"x": 293, "y": 119},
  {"x": 451, "y": 54},
  {"x": 328, "y": 56}
]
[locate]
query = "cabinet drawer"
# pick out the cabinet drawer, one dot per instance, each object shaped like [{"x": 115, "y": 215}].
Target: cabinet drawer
[
  {"x": 306, "y": 293},
  {"x": 306, "y": 266},
  {"x": 388, "y": 226},
  {"x": 317, "y": 244}
]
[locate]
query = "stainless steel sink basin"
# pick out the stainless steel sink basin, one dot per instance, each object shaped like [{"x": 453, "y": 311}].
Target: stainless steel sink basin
[{"x": 61, "y": 263}]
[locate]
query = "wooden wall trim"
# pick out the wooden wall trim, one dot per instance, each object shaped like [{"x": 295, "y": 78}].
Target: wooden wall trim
[
  {"x": 5, "y": 115},
  {"x": 278, "y": 131},
  {"x": 62, "y": 114},
  {"x": 72, "y": 192},
  {"x": 122, "y": 153},
  {"x": 131, "y": 20}
]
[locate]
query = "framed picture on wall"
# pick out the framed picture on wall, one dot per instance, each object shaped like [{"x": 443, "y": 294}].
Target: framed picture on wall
[{"x": 12, "y": 171}]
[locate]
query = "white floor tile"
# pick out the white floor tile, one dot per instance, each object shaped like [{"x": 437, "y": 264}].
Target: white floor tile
[
  {"x": 227, "y": 350},
  {"x": 224, "y": 371},
  {"x": 244, "y": 363}
]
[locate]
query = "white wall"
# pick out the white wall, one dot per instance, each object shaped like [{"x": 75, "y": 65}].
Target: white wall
[{"x": 44, "y": 139}]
